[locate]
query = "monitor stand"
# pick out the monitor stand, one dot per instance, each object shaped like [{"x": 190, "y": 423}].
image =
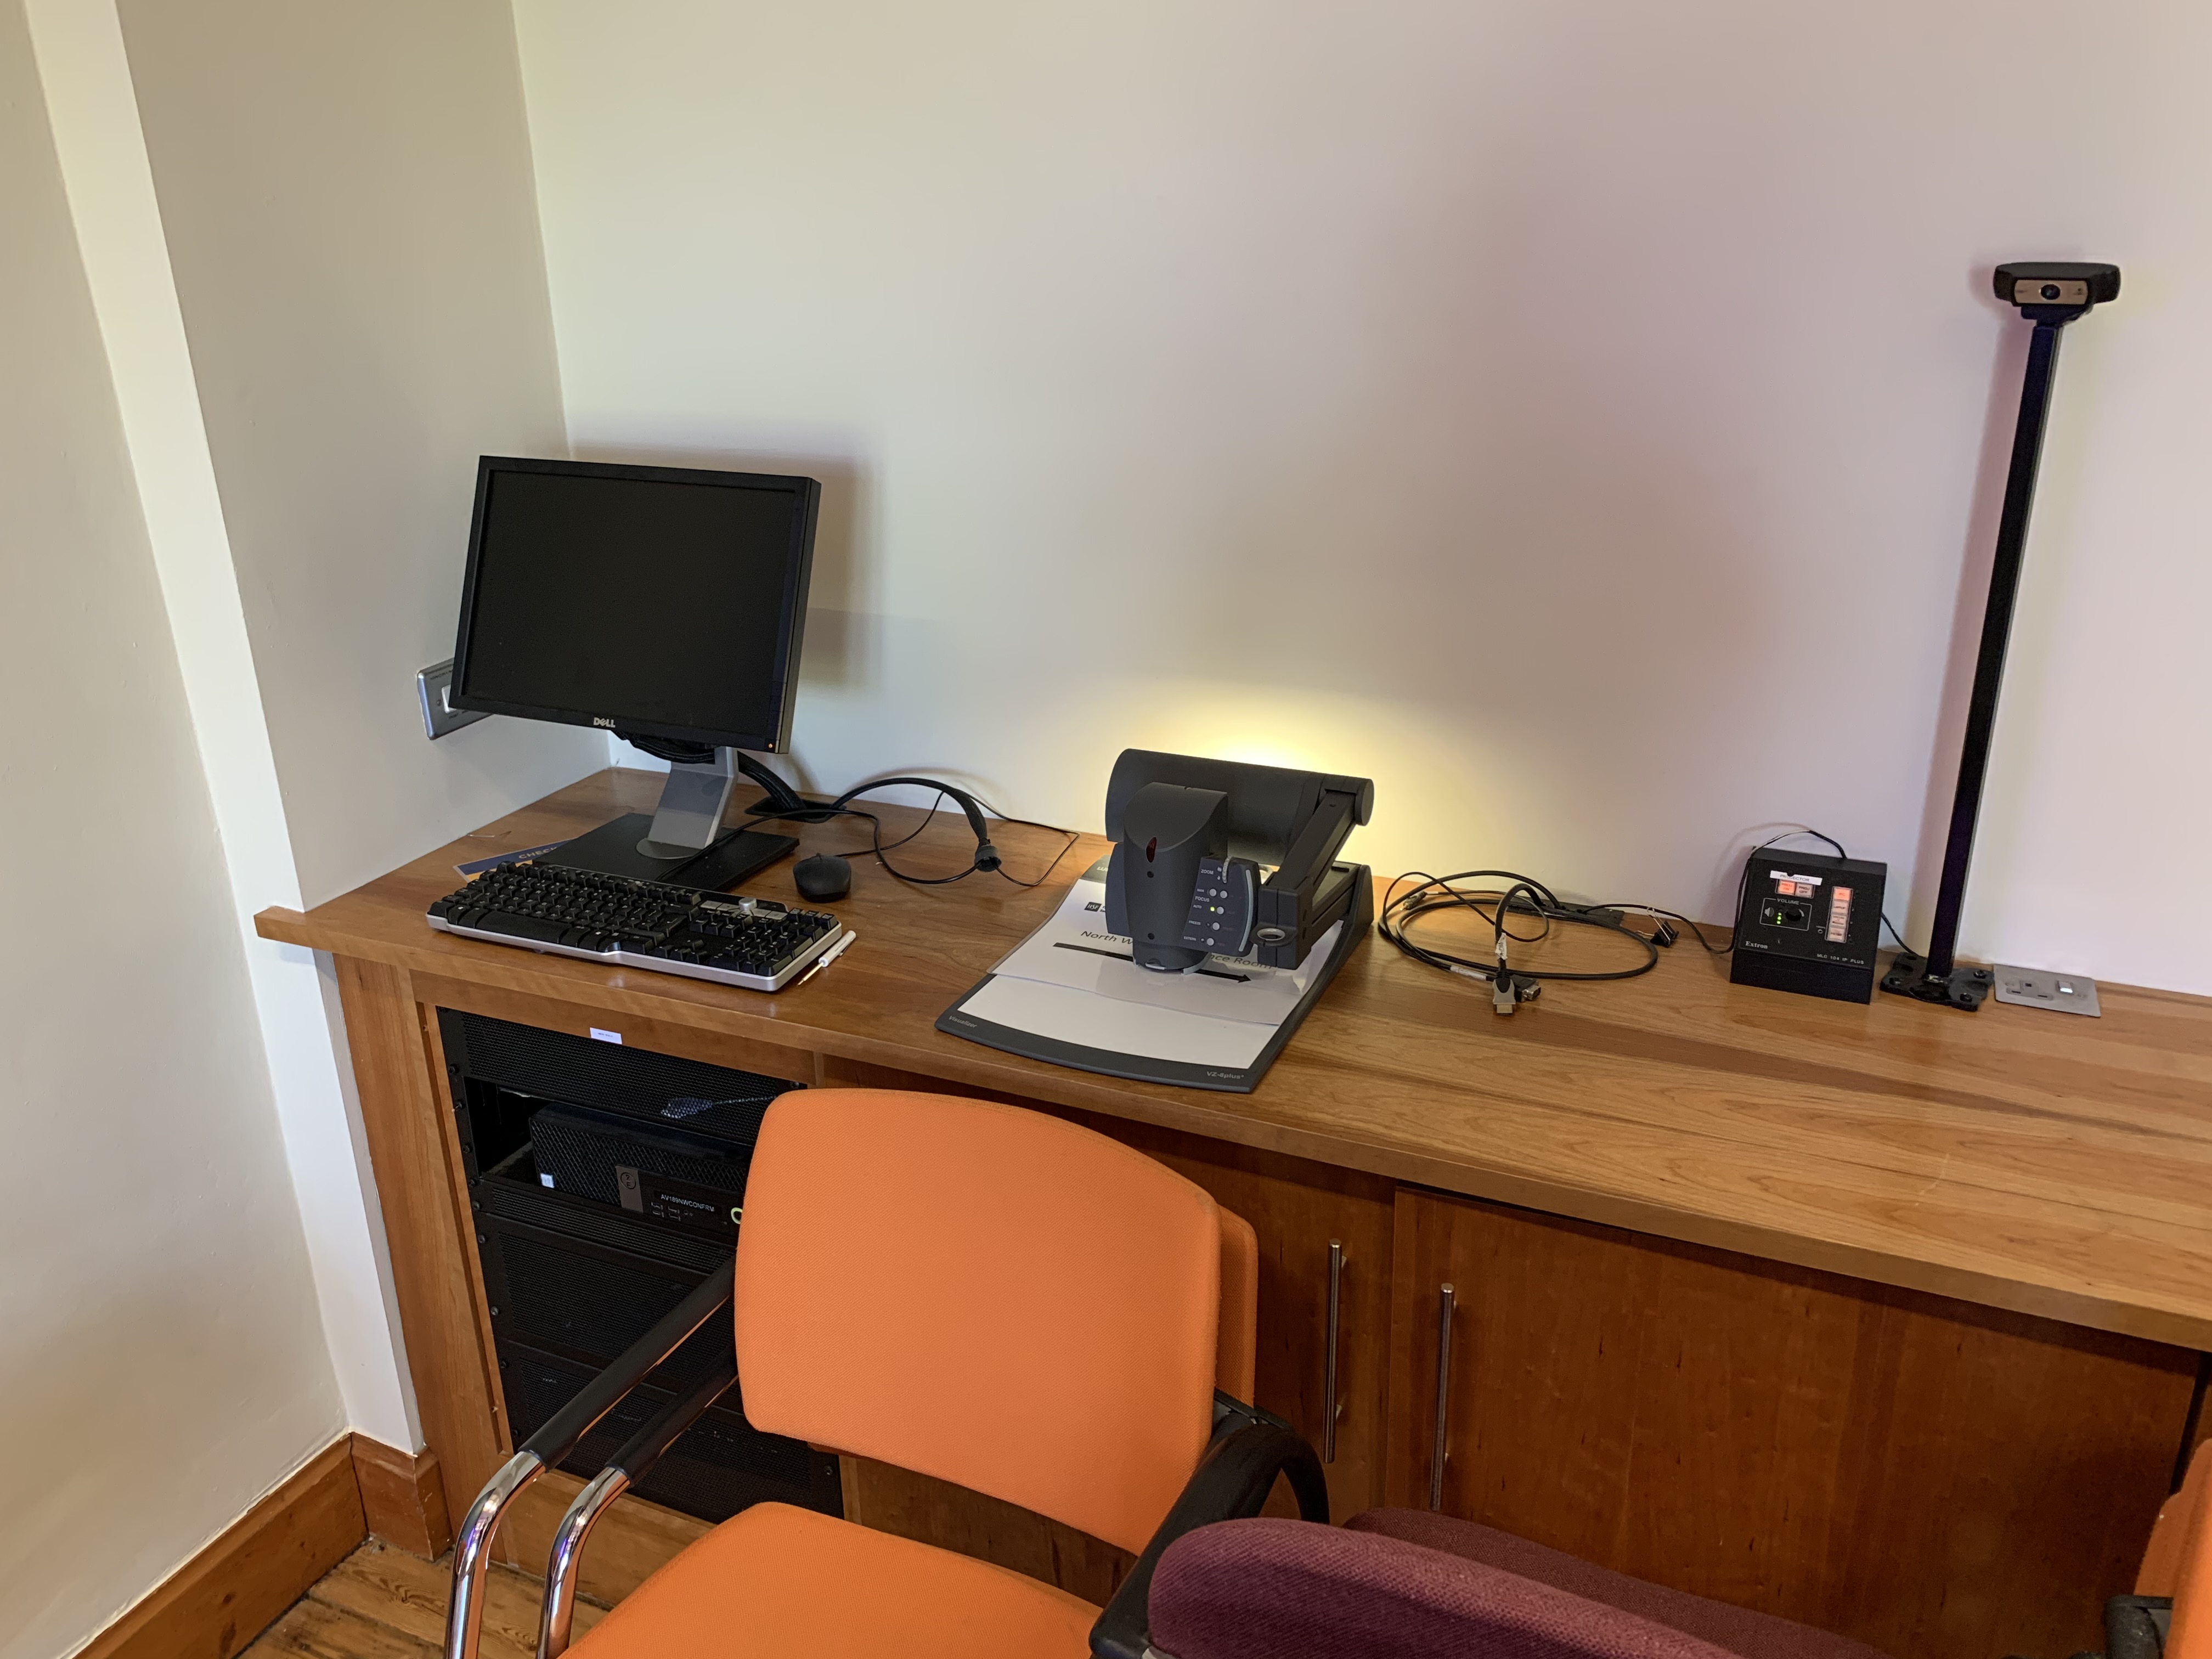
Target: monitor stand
[{"x": 681, "y": 842}]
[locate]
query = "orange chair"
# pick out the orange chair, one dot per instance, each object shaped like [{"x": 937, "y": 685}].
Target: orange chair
[
  {"x": 973, "y": 1291},
  {"x": 2171, "y": 1611}
]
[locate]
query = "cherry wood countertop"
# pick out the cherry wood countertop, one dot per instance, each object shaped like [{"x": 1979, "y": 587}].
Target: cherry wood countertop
[{"x": 2048, "y": 1163}]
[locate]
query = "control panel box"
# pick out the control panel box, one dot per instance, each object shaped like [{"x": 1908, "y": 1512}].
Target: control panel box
[{"x": 1809, "y": 923}]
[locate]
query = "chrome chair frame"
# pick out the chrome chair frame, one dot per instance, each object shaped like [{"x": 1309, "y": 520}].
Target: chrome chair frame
[
  {"x": 556, "y": 1441},
  {"x": 1249, "y": 1448},
  {"x": 629, "y": 1466}
]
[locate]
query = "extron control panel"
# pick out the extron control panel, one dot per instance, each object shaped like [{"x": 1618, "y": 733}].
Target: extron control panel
[{"x": 1809, "y": 923}]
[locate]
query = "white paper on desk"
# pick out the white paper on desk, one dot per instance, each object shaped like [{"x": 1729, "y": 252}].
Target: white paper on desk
[{"x": 1072, "y": 980}]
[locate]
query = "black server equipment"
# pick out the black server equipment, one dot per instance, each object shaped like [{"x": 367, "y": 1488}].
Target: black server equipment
[{"x": 605, "y": 1181}]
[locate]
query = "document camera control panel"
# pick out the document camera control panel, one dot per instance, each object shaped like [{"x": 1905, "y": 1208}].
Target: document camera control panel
[{"x": 1222, "y": 905}]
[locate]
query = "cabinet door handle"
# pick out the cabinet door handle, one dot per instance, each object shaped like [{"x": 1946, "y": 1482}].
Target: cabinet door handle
[
  {"x": 1329, "y": 1409},
  {"x": 1444, "y": 1302}
]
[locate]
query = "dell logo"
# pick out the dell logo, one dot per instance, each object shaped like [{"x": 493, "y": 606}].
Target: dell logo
[{"x": 601, "y": 720}]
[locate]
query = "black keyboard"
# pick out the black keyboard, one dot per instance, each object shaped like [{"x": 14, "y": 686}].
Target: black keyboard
[{"x": 755, "y": 943}]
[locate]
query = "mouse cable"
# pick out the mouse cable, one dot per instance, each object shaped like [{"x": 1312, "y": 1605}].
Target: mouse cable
[
  {"x": 877, "y": 846},
  {"x": 1521, "y": 896},
  {"x": 823, "y": 811},
  {"x": 1073, "y": 836},
  {"x": 879, "y": 849},
  {"x": 782, "y": 803}
]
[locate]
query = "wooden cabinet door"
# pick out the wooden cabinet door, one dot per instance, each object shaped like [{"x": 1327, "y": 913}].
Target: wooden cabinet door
[
  {"x": 1299, "y": 1210},
  {"x": 1929, "y": 1477}
]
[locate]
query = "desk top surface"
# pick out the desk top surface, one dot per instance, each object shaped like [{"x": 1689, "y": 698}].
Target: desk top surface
[{"x": 2048, "y": 1163}]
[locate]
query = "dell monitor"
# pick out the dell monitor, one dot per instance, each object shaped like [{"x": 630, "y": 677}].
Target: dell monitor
[{"x": 663, "y": 604}]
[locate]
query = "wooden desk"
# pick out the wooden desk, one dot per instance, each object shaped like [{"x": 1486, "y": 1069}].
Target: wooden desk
[{"x": 1885, "y": 1317}]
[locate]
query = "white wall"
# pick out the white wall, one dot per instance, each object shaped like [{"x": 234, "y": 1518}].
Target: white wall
[
  {"x": 313, "y": 249},
  {"x": 347, "y": 196},
  {"x": 93, "y": 110},
  {"x": 1585, "y": 418},
  {"x": 162, "y": 1360},
  {"x": 310, "y": 242}
]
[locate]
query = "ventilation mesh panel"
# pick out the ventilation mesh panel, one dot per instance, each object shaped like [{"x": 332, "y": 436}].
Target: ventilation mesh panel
[{"x": 581, "y": 1155}]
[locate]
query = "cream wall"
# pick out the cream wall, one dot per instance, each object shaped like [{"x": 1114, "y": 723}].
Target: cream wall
[
  {"x": 314, "y": 246},
  {"x": 347, "y": 196},
  {"x": 161, "y": 1357},
  {"x": 311, "y": 246},
  {"x": 1586, "y": 418}
]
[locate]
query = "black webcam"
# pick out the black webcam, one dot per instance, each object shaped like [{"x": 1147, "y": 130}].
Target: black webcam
[{"x": 2056, "y": 287}]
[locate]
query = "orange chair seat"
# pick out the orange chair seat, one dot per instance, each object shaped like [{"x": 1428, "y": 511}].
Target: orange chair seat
[{"x": 788, "y": 1582}]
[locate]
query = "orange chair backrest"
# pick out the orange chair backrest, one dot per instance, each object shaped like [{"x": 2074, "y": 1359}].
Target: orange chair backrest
[
  {"x": 2178, "y": 1562},
  {"x": 984, "y": 1294}
]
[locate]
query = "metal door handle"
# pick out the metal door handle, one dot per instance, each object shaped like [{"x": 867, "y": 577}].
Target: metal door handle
[
  {"x": 1328, "y": 1406},
  {"x": 1444, "y": 1303}
]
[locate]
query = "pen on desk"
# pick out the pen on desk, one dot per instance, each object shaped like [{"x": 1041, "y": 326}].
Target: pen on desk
[{"x": 825, "y": 959}]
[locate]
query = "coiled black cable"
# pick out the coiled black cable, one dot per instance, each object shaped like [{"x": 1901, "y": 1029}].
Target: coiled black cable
[{"x": 1521, "y": 896}]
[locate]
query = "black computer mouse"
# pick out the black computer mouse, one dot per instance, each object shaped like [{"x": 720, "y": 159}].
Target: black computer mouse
[{"x": 824, "y": 876}]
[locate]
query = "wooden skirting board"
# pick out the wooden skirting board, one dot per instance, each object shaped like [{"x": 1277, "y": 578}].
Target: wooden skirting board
[
  {"x": 218, "y": 1602},
  {"x": 403, "y": 1497}
]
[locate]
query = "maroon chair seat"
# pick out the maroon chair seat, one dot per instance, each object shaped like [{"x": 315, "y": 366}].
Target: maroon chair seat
[{"x": 1404, "y": 1584}]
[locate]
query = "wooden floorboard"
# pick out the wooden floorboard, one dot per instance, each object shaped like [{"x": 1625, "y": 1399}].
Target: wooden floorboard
[
  {"x": 381, "y": 1603},
  {"x": 312, "y": 1631}
]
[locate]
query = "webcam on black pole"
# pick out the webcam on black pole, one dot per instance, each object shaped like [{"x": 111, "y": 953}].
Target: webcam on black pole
[{"x": 2049, "y": 295}]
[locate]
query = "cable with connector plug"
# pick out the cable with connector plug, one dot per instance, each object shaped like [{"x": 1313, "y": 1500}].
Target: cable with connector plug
[
  {"x": 1524, "y": 895},
  {"x": 1664, "y": 933},
  {"x": 1521, "y": 896}
]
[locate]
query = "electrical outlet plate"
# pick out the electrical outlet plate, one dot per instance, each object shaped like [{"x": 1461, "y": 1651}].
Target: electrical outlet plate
[
  {"x": 2031, "y": 988},
  {"x": 434, "y": 687}
]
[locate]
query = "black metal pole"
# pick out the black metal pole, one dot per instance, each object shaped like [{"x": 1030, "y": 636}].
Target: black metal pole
[
  {"x": 1996, "y": 634},
  {"x": 2050, "y": 296}
]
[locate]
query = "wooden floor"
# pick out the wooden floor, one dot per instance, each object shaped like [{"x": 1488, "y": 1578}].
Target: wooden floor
[{"x": 382, "y": 1603}]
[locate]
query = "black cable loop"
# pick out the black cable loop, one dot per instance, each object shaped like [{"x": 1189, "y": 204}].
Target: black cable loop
[
  {"x": 1431, "y": 894},
  {"x": 823, "y": 811}
]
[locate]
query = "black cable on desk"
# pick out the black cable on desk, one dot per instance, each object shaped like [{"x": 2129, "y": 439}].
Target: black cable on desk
[
  {"x": 1435, "y": 893},
  {"x": 823, "y": 811},
  {"x": 784, "y": 804},
  {"x": 1072, "y": 835},
  {"x": 1654, "y": 910}
]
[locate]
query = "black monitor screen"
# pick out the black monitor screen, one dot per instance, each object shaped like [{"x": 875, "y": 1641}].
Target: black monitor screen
[{"x": 661, "y": 600}]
